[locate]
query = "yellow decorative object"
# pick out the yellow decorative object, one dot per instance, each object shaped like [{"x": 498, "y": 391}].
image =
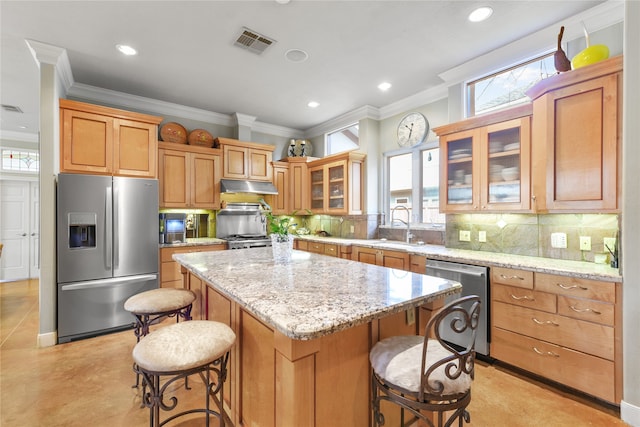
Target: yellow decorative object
[{"x": 591, "y": 54}]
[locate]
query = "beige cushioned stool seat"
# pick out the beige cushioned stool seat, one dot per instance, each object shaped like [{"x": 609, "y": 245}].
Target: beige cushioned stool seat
[
  {"x": 183, "y": 346},
  {"x": 398, "y": 360},
  {"x": 159, "y": 300}
]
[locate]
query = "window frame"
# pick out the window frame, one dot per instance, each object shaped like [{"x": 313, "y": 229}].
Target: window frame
[
  {"x": 339, "y": 130},
  {"x": 416, "y": 179}
]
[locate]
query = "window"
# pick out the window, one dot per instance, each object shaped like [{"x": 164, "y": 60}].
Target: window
[
  {"x": 413, "y": 183},
  {"x": 20, "y": 161},
  {"x": 344, "y": 139},
  {"x": 507, "y": 88}
]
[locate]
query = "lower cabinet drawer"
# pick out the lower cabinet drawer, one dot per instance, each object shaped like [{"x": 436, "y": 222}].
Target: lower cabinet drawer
[
  {"x": 587, "y": 337},
  {"x": 590, "y": 374}
]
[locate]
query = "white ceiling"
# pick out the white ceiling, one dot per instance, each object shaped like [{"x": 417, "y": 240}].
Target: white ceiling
[{"x": 187, "y": 57}]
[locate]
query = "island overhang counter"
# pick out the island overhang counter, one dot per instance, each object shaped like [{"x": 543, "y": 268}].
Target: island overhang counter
[{"x": 305, "y": 329}]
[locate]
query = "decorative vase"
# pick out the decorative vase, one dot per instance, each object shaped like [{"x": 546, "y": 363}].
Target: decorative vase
[{"x": 282, "y": 247}]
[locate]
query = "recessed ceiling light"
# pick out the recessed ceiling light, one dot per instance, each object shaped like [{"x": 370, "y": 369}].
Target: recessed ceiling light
[
  {"x": 313, "y": 104},
  {"x": 283, "y": 1},
  {"x": 384, "y": 86},
  {"x": 296, "y": 55},
  {"x": 126, "y": 50},
  {"x": 480, "y": 14}
]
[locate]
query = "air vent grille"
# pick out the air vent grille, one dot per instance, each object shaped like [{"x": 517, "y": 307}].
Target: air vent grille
[
  {"x": 11, "y": 108},
  {"x": 253, "y": 41}
]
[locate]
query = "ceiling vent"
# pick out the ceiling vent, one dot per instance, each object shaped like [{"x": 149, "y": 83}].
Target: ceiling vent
[
  {"x": 11, "y": 108},
  {"x": 253, "y": 41}
]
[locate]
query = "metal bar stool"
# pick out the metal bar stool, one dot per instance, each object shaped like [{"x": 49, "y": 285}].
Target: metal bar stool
[
  {"x": 177, "y": 351},
  {"x": 152, "y": 306}
]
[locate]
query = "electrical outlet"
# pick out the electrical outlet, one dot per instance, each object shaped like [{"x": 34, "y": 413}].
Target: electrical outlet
[
  {"x": 559, "y": 240},
  {"x": 482, "y": 236},
  {"x": 353, "y": 229},
  {"x": 465, "y": 236},
  {"x": 609, "y": 242},
  {"x": 585, "y": 243}
]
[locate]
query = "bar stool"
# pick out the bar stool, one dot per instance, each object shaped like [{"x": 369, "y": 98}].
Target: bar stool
[
  {"x": 152, "y": 306},
  {"x": 177, "y": 351}
]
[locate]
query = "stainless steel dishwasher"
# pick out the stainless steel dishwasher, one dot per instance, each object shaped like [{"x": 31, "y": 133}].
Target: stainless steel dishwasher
[{"x": 475, "y": 281}]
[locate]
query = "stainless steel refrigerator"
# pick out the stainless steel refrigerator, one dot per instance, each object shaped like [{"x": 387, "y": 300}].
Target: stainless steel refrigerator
[{"x": 107, "y": 243}]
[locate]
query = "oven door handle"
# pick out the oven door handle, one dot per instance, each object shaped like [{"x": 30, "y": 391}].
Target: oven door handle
[{"x": 456, "y": 270}]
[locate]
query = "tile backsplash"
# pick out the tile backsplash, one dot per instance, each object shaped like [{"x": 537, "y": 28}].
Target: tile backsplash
[{"x": 528, "y": 234}]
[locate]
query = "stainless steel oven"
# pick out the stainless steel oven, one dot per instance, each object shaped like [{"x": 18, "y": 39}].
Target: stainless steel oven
[{"x": 475, "y": 281}]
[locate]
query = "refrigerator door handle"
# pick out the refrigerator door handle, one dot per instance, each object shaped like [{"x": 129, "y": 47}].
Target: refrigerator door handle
[
  {"x": 108, "y": 235},
  {"x": 108, "y": 282},
  {"x": 116, "y": 226}
]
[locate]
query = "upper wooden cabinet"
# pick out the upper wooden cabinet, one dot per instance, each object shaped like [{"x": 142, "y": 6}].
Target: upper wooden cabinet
[
  {"x": 576, "y": 132},
  {"x": 246, "y": 160},
  {"x": 107, "y": 141},
  {"x": 485, "y": 163},
  {"x": 337, "y": 184},
  {"x": 189, "y": 176},
  {"x": 291, "y": 178}
]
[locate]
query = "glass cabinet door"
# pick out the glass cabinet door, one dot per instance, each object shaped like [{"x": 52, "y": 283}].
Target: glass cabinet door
[
  {"x": 460, "y": 181},
  {"x": 507, "y": 166},
  {"x": 336, "y": 186},
  {"x": 317, "y": 189}
]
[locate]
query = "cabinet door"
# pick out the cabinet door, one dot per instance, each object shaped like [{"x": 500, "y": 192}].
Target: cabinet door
[
  {"x": 205, "y": 181},
  {"x": 280, "y": 202},
  {"x": 235, "y": 162},
  {"x": 135, "y": 148},
  {"x": 504, "y": 180},
  {"x": 259, "y": 166},
  {"x": 87, "y": 142},
  {"x": 460, "y": 171},
  {"x": 318, "y": 195},
  {"x": 338, "y": 185},
  {"x": 299, "y": 187},
  {"x": 366, "y": 255},
  {"x": 395, "y": 259},
  {"x": 174, "y": 178},
  {"x": 576, "y": 134}
]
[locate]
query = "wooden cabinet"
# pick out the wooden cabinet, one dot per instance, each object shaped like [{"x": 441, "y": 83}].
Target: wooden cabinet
[
  {"x": 170, "y": 275},
  {"x": 107, "y": 141},
  {"x": 418, "y": 263},
  {"x": 325, "y": 248},
  {"x": 189, "y": 177},
  {"x": 384, "y": 257},
  {"x": 336, "y": 184},
  {"x": 291, "y": 178},
  {"x": 486, "y": 163},
  {"x": 576, "y": 132},
  {"x": 246, "y": 160},
  {"x": 566, "y": 329}
]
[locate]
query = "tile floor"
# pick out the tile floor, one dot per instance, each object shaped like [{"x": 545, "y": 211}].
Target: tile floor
[{"x": 88, "y": 382}]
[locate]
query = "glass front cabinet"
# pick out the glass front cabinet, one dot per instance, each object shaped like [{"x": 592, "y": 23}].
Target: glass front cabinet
[
  {"x": 486, "y": 168},
  {"x": 336, "y": 184}
]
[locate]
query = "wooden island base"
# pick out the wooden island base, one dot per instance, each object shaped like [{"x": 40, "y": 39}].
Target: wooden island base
[{"x": 278, "y": 381}]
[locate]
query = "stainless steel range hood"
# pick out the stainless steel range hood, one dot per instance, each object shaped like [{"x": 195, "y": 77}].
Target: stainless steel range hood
[{"x": 242, "y": 186}]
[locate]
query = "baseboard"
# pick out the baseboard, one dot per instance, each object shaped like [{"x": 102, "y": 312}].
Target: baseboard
[
  {"x": 630, "y": 414},
  {"x": 47, "y": 340}
]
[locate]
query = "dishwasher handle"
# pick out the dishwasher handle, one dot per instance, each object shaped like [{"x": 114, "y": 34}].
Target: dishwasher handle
[{"x": 479, "y": 272}]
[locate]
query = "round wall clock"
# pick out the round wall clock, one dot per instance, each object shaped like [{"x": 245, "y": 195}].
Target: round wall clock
[{"x": 412, "y": 130}]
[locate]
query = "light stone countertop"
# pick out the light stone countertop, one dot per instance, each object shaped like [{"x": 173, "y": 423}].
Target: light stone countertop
[
  {"x": 313, "y": 295},
  {"x": 585, "y": 270},
  {"x": 195, "y": 241}
]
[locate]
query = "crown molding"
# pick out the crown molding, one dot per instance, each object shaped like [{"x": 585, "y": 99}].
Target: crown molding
[
  {"x": 414, "y": 101},
  {"x": 53, "y": 55},
  {"x": 347, "y": 119}
]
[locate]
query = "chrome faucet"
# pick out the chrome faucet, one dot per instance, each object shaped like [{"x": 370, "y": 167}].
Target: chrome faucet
[{"x": 407, "y": 223}]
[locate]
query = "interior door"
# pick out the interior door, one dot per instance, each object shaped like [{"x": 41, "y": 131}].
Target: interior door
[{"x": 14, "y": 230}]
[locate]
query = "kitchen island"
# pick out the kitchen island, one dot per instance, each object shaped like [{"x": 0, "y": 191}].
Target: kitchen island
[{"x": 305, "y": 329}]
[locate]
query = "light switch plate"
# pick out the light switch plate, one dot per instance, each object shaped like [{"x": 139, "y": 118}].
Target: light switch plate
[
  {"x": 559, "y": 240},
  {"x": 585, "y": 243}
]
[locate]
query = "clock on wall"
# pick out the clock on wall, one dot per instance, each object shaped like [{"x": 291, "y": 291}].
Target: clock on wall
[{"x": 412, "y": 130}]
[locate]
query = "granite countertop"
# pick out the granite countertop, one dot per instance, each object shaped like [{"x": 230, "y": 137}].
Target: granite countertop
[
  {"x": 196, "y": 241},
  {"x": 313, "y": 295},
  {"x": 585, "y": 270}
]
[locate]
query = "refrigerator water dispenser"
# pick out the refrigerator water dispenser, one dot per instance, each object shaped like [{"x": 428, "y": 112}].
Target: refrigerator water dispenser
[{"x": 82, "y": 230}]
